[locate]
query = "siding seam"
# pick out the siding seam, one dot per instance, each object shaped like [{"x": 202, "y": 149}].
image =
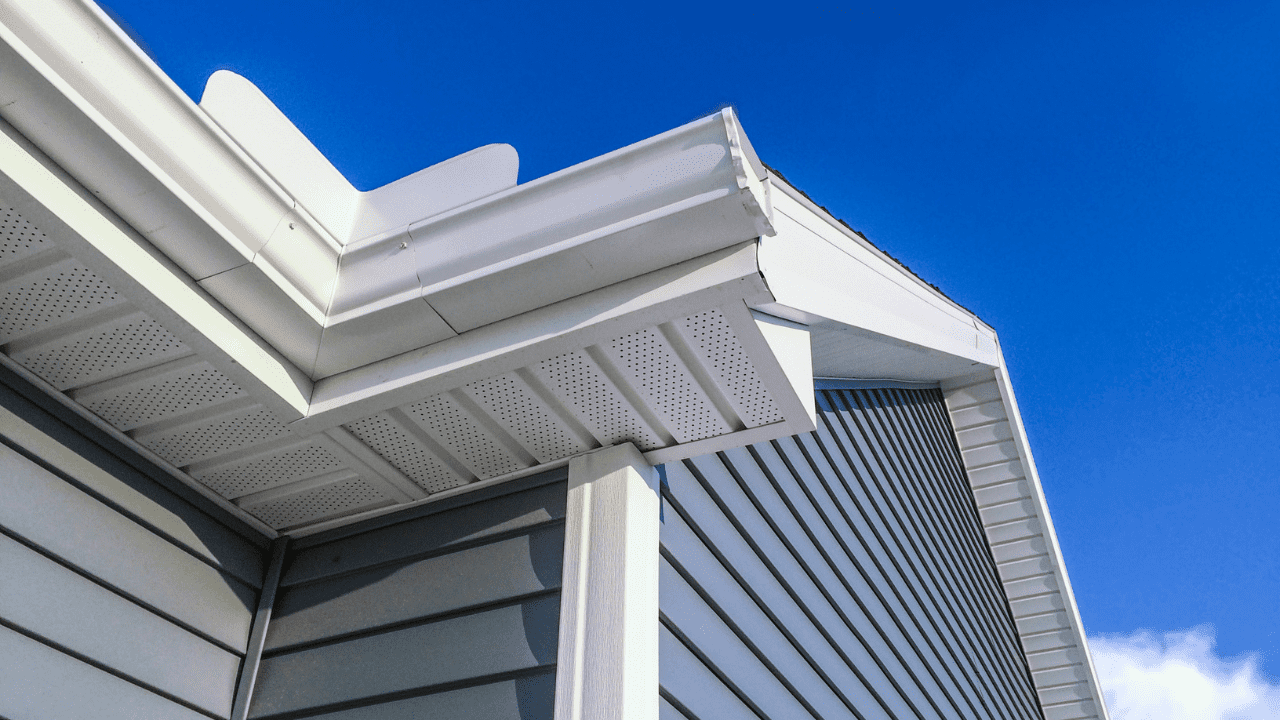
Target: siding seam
[
  {"x": 835, "y": 646},
  {"x": 16, "y": 537},
  {"x": 105, "y": 668},
  {"x": 426, "y": 510},
  {"x": 720, "y": 675},
  {"x": 808, "y": 571},
  {"x": 540, "y": 669},
  {"x": 406, "y": 624},
  {"x": 943, "y": 582},
  {"x": 949, "y": 615},
  {"x": 61, "y": 412},
  {"x": 943, "y": 436},
  {"x": 737, "y": 632},
  {"x": 680, "y": 707},
  {"x": 964, "y": 562},
  {"x": 888, "y": 582},
  {"x": 867, "y": 579},
  {"x": 969, "y": 664},
  {"x": 254, "y": 583},
  {"x": 440, "y": 551}
]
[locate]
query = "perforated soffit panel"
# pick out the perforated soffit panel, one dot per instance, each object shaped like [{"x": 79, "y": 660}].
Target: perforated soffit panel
[{"x": 658, "y": 387}]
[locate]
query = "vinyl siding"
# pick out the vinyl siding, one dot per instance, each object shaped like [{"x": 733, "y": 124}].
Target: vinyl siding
[
  {"x": 840, "y": 573},
  {"x": 451, "y": 613},
  {"x": 122, "y": 595}
]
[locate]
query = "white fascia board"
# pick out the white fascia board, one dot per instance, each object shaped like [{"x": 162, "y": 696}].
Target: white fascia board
[
  {"x": 435, "y": 497},
  {"x": 987, "y": 462},
  {"x": 822, "y": 277},
  {"x": 692, "y": 164},
  {"x": 679, "y": 195},
  {"x": 786, "y": 360},
  {"x": 720, "y": 443},
  {"x": 43, "y": 192},
  {"x": 714, "y": 280},
  {"x": 782, "y": 186}
]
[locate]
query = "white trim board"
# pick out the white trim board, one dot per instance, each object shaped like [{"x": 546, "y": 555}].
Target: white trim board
[
  {"x": 1015, "y": 517},
  {"x": 607, "y": 664}
]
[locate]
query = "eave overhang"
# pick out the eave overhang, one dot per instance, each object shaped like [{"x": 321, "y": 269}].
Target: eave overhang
[
  {"x": 246, "y": 276},
  {"x": 332, "y": 278},
  {"x": 325, "y": 355}
]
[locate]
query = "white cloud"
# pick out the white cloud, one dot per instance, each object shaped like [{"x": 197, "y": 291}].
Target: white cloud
[{"x": 1179, "y": 676}]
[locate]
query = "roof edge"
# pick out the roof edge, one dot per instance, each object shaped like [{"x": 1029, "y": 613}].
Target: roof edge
[
  {"x": 84, "y": 92},
  {"x": 1042, "y": 506},
  {"x": 987, "y": 452},
  {"x": 800, "y": 196}
]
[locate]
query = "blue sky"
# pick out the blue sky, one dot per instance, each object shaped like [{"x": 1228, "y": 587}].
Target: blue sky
[{"x": 1099, "y": 183}]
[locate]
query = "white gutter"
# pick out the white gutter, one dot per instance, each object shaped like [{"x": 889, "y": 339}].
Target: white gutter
[
  {"x": 247, "y": 208},
  {"x": 419, "y": 256},
  {"x": 77, "y": 87}
]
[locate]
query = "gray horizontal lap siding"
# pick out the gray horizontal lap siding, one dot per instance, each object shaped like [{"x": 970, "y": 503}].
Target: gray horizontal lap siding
[
  {"x": 120, "y": 595},
  {"x": 450, "y": 614},
  {"x": 838, "y": 574}
]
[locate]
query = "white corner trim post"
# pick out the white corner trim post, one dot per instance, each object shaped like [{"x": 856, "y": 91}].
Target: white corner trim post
[{"x": 607, "y": 666}]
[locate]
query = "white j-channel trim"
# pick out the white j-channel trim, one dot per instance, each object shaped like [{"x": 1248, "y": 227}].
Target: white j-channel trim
[
  {"x": 470, "y": 487},
  {"x": 608, "y": 655},
  {"x": 720, "y": 443}
]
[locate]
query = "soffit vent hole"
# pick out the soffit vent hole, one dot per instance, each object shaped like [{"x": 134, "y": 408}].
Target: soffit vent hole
[
  {"x": 463, "y": 437},
  {"x": 54, "y": 297},
  {"x": 218, "y": 436},
  {"x": 666, "y": 385},
  {"x": 18, "y": 237},
  {"x": 339, "y": 498},
  {"x": 261, "y": 473},
  {"x": 407, "y": 455},
  {"x": 523, "y": 414},
  {"x": 199, "y": 387},
  {"x": 97, "y": 356},
  {"x": 718, "y": 346},
  {"x": 581, "y": 386}
]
